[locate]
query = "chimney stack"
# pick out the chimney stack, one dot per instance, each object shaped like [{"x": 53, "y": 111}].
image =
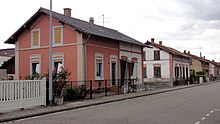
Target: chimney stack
[
  {"x": 188, "y": 52},
  {"x": 91, "y": 20},
  {"x": 184, "y": 51},
  {"x": 152, "y": 40},
  {"x": 204, "y": 57},
  {"x": 67, "y": 12},
  {"x": 160, "y": 42}
]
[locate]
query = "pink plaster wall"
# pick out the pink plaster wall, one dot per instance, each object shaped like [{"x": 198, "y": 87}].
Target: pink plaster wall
[
  {"x": 109, "y": 47},
  {"x": 70, "y": 51}
]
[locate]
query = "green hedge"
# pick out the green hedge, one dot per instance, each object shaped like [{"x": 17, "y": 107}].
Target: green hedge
[{"x": 200, "y": 74}]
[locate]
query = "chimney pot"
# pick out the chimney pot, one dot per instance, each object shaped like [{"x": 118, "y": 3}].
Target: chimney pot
[
  {"x": 91, "y": 20},
  {"x": 67, "y": 12},
  {"x": 204, "y": 57},
  {"x": 160, "y": 42},
  {"x": 152, "y": 40}
]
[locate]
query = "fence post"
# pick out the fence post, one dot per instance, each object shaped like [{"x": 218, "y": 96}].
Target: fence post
[
  {"x": 90, "y": 89},
  {"x": 21, "y": 93},
  {"x": 133, "y": 85},
  {"x": 85, "y": 91},
  {"x": 43, "y": 86},
  {"x": 119, "y": 82},
  {"x": 105, "y": 87}
]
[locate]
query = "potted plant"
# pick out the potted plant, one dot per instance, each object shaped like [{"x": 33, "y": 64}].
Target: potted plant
[{"x": 60, "y": 78}]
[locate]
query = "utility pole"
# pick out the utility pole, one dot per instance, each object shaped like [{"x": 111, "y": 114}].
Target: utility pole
[{"x": 50, "y": 59}]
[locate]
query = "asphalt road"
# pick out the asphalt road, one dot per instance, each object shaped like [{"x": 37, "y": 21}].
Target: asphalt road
[{"x": 197, "y": 105}]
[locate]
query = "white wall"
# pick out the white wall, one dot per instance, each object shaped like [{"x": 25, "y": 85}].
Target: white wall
[
  {"x": 211, "y": 69},
  {"x": 164, "y": 62}
]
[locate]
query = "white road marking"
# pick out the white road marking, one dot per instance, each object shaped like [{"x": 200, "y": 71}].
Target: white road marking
[
  {"x": 203, "y": 118},
  {"x": 216, "y": 109},
  {"x": 197, "y": 122},
  {"x": 207, "y": 115},
  {"x": 211, "y": 111}
]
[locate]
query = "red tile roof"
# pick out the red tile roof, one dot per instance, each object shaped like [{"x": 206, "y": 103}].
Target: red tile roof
[{"x": 167, "y": 49}]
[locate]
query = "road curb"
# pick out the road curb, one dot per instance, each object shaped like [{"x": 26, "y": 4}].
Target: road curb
[{"x": 101, "y": 102}]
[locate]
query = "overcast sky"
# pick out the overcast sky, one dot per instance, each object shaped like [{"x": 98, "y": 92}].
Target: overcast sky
[{"x": 192, "y": 25}]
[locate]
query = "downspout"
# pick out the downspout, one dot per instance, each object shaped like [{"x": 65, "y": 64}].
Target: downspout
[{"x": 85, "y": 65}]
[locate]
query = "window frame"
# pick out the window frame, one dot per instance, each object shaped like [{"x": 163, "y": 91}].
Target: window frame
[
  {"x": 32, "y": 38},
  {"x": 156, "y": 54},
  {"x": 61, "y": 35},
  {"x": 35, "y": 59},
  {"x": 155, "y": 74},
  {"x": 99, "y": 57},
  {"x": 113, "y": 59}
]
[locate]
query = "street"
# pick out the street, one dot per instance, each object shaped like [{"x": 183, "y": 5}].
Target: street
[{"x": 197, "y": 105}]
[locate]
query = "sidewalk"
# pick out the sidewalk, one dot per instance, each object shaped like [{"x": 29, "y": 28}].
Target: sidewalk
[{"x": 42, "y": 110}]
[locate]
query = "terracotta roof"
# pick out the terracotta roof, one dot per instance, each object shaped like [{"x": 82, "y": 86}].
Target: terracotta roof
[
  {"x": 167, "y": 49},
  {"x": 7, "y": 52},
  {"x": 79, "y": 25},
  {"x": 198, "y": 58}
]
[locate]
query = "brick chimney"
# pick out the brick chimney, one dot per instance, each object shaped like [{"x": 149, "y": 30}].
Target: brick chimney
[
  {"x": 184, "y": 51},
  {"x": 91, "y": 20},
  {"x": 152, "y": 40},
  {"x": 160, "y": 42},
  {"x": 67, "y": 12}
]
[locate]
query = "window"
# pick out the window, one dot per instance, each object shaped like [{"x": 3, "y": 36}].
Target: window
[
  {"x": 35, "y": 65},
  {"x": 35, "y": 38},
  {"x": 183, "y": 72},
  {"x": 35, "y": 68},
  {"x": 187, "y": 72},
  {"x": 58, "y": 35},
  {"x": 176, "y": 72},
  {"x": 113, "y": 69},
  {"x": 99, "y": 67},
  {"x": 180, "y": 74},
  {"x": 157, "y": 72},
  {"x": 145, "y": 72},
  {"x": 156, "y": 55},
  {"x": 57, "y": 64}
]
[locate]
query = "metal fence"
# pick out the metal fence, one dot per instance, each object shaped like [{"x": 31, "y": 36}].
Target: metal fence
[{"x": 100, "y": 88}]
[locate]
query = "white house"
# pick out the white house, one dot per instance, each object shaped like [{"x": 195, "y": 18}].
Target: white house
[{"x": 165, "y": 63}]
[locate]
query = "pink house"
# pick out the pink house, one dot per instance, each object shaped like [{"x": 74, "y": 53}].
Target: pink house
[{"x": 89, "y": 51}]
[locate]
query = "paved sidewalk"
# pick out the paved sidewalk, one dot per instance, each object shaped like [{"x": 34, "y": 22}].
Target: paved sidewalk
[{"x": 42, "y": 110}]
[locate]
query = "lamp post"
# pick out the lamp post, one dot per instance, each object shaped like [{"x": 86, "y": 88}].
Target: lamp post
[{"x": 50, "y": 59}]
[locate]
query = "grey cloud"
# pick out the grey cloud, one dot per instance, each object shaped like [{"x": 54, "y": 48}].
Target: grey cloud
[{"x": 202, "y": 9}]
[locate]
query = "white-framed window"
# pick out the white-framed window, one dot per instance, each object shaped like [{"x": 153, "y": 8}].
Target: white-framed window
[
  {"x": 113, "y": 69},
  {"x": 35, "y": 66},
  {"x": 57, "y": 35},
  {"x": 35, "y": 38},
  {"x": 99, "y": 71}
]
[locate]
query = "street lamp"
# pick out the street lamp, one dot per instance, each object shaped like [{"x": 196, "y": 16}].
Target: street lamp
[{"x": 50, "y": 59}]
